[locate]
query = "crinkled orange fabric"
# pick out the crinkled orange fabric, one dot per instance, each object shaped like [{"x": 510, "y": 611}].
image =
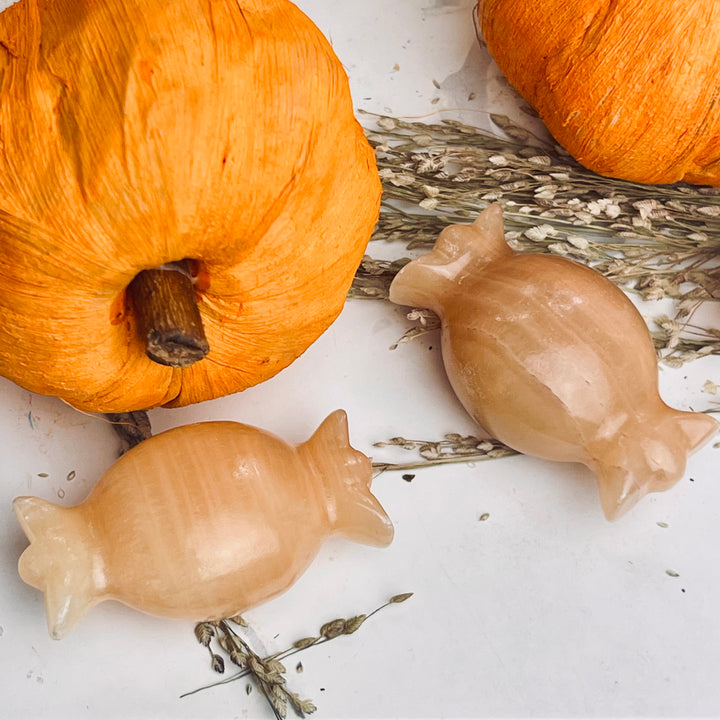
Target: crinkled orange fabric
[
  {"x": 135, "y": 133},
  {"x": 629, "y": 87}
]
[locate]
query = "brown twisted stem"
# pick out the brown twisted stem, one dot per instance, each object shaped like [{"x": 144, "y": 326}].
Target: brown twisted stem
[{"x": 167, "y": 314}]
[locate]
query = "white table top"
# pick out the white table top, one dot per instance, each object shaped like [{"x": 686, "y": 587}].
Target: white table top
[{"x": 542, "y": 609}]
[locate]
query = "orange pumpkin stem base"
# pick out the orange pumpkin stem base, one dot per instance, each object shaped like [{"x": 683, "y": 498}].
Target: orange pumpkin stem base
[{"x": 168, "y": 317}]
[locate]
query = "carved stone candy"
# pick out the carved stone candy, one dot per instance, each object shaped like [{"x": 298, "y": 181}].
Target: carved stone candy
[
  {"x": 553, "y": 359},
  {"x": 200, "y": 522}
]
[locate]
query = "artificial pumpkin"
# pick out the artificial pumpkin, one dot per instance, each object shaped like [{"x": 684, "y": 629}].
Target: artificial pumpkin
[
  {"x": 629, "y": 88},
  {"x": 137, "y": 135}
]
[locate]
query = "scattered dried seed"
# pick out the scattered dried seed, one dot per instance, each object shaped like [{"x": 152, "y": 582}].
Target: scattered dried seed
[
  {"x": 710, "y": 387},
  {"x": 484, "y": 517},
  {"x": 672, "y": 573}
]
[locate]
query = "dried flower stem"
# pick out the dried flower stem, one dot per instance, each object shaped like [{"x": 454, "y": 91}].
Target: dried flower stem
[
  {"x": 657, "y": 241},
  {"x": 268, "y": 673},
  {"x": 453, "y": 448}
]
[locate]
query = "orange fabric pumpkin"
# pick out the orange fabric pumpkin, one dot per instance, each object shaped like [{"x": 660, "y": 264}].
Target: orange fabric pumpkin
[
  {"x": 629, "y": 88},
  {"x": 137, "y": 133}
]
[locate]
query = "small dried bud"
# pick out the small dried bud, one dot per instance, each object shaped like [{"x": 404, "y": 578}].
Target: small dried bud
[
  {"x": 423, "y": 140},
  {"x": 709, "y": 210},
  {"x": 239, "y": 620},
  {"x": 540, "y": 161},
  {"x": 430, "y": 191},
  {"x": 499, "y": 160},
  {"x": 279, "y": 704},
  {"x": 333, "y": 629},
  {"x": 578, "y": 241},
  {"x": 301, "y": 707},
  {"x": 429, "y": 451},
  {"x": 401, "y": 598},
  {"x": 239, "y": 658},
  {"x": 218, "y": 664},
  {"x": 353, "y": 623},
  {"x": 204, "y": 633},
  {"x": 273, "y": 665},
  {"x": 402, "y": 179},
  {"x": 255, "y": 665},
  {"x": 305, "y": 707},
  {"x": 387, "y": 123},
  {"x": 304, "y": 642},
  {"x": 500, "y": 452},
  {"x": 540, "y": 232},
  {"x": 559, "y": 248}
]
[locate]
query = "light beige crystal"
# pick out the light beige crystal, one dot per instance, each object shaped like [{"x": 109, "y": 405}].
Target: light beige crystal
[
  {"x": 553, "y": 359},
  {"x": 200, "y": 522}
]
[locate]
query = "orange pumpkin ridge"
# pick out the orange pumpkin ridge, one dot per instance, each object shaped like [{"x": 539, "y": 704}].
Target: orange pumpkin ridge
[
  {"x": 140, "y": 133},
  {"x": 628, "y": 88}
]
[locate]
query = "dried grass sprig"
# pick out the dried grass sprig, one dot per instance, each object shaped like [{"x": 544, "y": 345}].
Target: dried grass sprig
[
  {"x": 657, "y": 241},
  {"x": 452, "y": 448},
  {"x": 268, "y": 673}
]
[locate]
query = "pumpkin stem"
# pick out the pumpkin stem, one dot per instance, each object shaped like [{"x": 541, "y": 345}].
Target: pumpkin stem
[
  {"x": 168, "y": 316},
  {"x": 133, "y": 427}
]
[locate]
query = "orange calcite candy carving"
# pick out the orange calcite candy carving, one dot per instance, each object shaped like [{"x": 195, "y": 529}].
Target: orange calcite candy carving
[
  {"x": 553, "y": 359},
  {"x": 200, "y": 522}
]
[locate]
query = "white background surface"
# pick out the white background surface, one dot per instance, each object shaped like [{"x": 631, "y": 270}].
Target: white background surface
[{"x": 544, "y": 609}]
